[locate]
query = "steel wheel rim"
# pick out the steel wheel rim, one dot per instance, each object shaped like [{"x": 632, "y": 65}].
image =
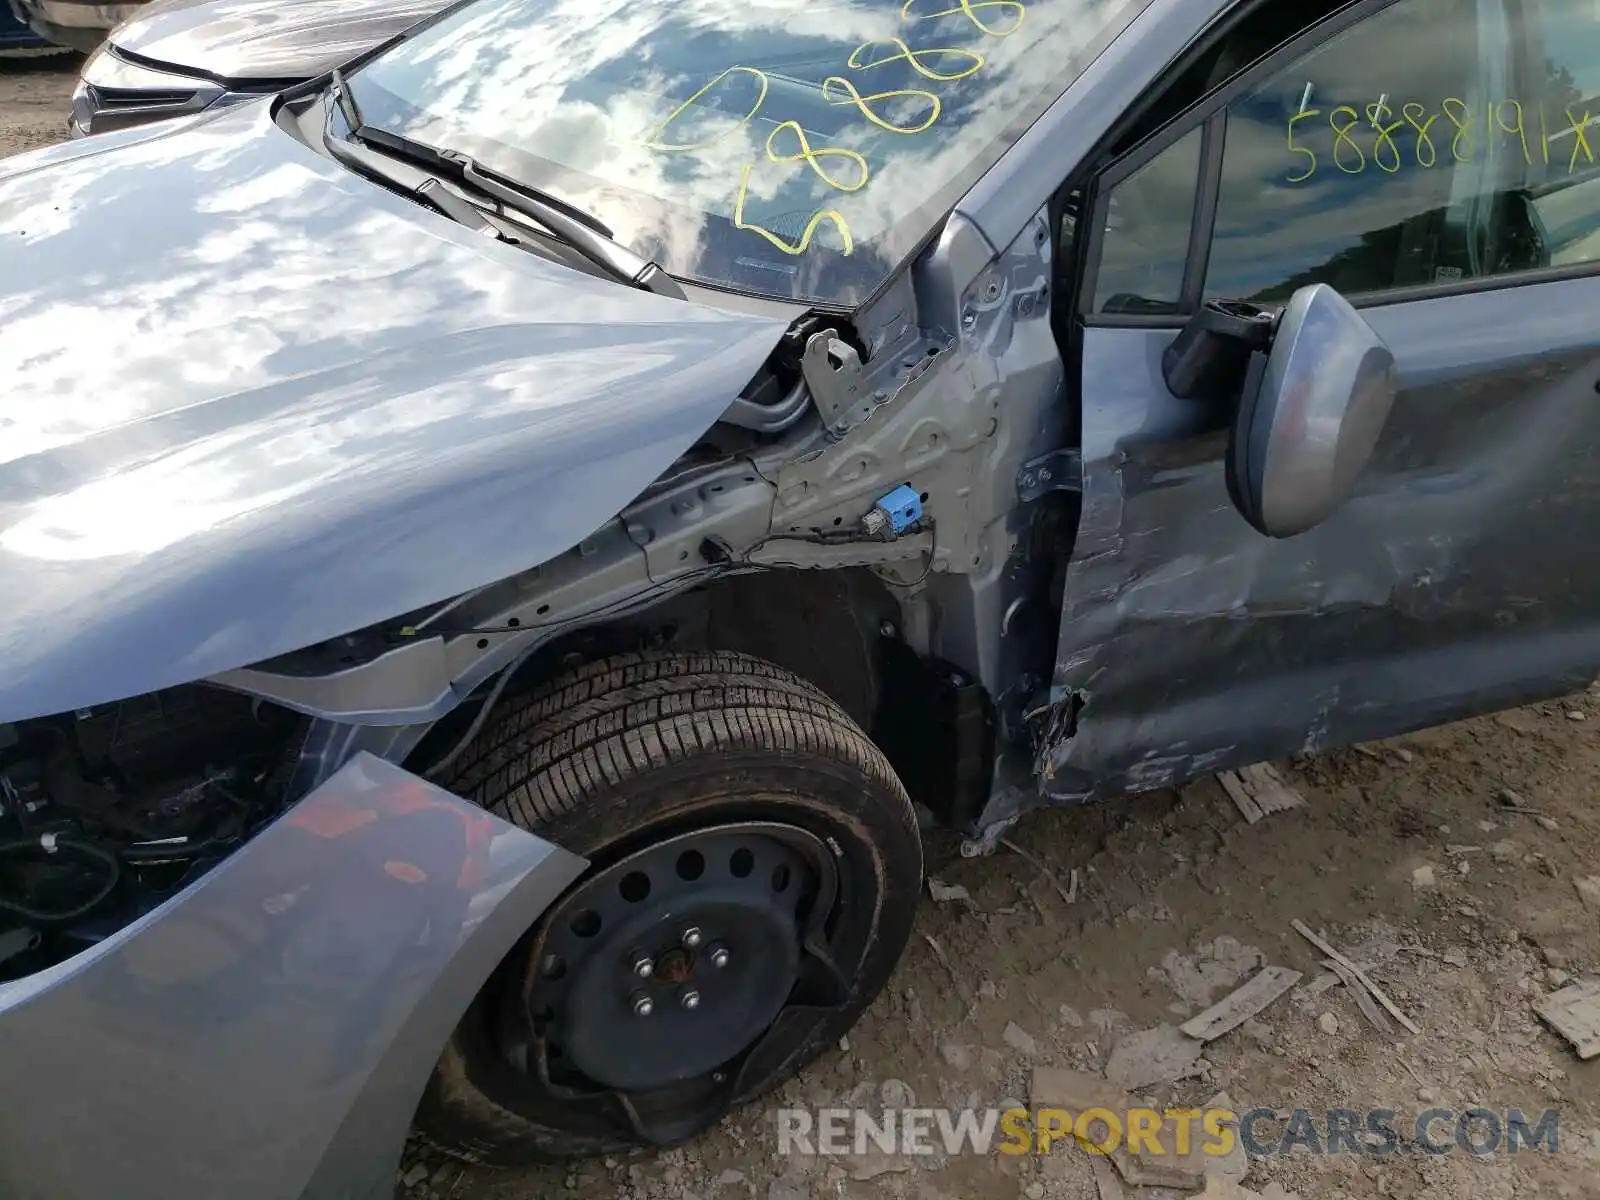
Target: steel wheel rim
[{"x": 672, "y": 1064}]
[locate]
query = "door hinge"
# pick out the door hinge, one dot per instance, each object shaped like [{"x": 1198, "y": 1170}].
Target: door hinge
[{"x": 1058, "y": 471}]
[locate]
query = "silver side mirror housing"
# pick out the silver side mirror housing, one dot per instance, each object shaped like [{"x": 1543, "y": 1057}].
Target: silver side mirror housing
[
  {"x": 1310, "y": 414},
  {"x": 1309, "y": 389}
]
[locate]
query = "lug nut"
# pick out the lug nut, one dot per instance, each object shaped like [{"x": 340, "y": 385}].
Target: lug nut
[
  {"x": 643, "y": 1006},
  {"x": 692, "y": 936},
  {"x": 690, "y": 998},
  {"x": 644, "y": 966},
  {"x": 719, "y": 957}
]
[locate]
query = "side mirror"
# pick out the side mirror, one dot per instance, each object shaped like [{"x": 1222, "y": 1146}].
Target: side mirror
[
  {"x": 1310, "y": 414},
  {"x": 1311, "y": 389}
]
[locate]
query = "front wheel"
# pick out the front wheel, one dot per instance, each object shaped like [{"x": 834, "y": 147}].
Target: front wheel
[{"x": 755, "y": 867}]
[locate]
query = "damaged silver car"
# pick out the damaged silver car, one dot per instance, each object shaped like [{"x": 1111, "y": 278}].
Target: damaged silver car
[{"x": 501, "y": 543}]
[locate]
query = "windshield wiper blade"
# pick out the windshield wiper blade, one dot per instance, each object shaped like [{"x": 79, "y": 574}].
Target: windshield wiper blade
[
  {"x": 459, "y": 210},
  {"x": 365, "y": 160},
  {"x": 599, "y": 248},
  {"x": 582, "y": 232}
]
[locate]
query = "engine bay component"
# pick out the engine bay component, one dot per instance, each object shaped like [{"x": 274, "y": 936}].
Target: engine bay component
[{"x": 106, "y": 811}]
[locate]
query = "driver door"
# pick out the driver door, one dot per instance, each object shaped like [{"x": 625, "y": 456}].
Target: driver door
[{"x": 1436, "y": 162}]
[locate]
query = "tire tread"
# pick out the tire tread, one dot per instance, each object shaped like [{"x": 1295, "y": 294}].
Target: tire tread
[{"x": 550, "y": 752}]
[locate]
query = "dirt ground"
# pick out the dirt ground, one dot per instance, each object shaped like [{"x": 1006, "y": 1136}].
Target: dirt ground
[
  {"x": 1406, "y": 856},
  {"x": 34, "y": 100}
]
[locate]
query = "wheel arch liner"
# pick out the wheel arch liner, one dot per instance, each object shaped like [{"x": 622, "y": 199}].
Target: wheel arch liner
[{"x": 278, "y": 1019}]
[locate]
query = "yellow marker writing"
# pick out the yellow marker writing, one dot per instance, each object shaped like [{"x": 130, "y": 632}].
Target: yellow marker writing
[
  {"x": 858, "y": 62},
  {"x": 1305, "y": 114},
  {"x": 813, "y": 157},
  {"x": 969, "y": 9},
  {"x": 1580, "y": 140},
  {"x": 1376, "y": 114},
  {"x": 1343, "y": 143},
  {"x": 1461, "y": 117},
  {"x": 836, "y": 83},
  {"x": 652, "y": 139},
  {"x": 793, "y": 248},
  {"x": 1519, "y": 129},
  {"x": 1414, "y": 114}
]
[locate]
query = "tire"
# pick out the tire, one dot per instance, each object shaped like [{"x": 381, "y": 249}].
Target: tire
[{"x": 614, "y": 759}]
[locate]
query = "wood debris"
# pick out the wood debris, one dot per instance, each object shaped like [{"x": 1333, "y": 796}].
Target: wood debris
[
  {"x": 1322, "y": 983},
  {"x": 1574, "y": 1013},
  {"x": 1362, "y": 997},
  {"x": 1234, "y": 1009},
  {"x": 1389, "y": 1005},
  {"x": 962, "y": 989},
  {"x": 1070, "y": 896},
  {"x": 1411, "y": 1071},
  {"x": 1258, "y": 791},
  {"x": 1151, "y": 1056},
  {"x": 1060, "y": 1087}
]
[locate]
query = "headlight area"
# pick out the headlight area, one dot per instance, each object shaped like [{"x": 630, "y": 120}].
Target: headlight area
[
  {"x": 115, "y": 93},
  {"x": 107, "y": 811}
]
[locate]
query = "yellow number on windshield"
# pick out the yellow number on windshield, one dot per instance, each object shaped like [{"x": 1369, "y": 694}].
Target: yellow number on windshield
[
  {"x": 914, "y": 58},
  {"x": 813, "y": 157},
  {"x": 969, "y": 9},
  {"x": 794, "y": 248},
  {"x": 864, "y": 103},
  {"x": 652, "y": 138}
]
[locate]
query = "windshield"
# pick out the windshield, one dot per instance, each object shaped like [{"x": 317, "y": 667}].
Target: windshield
[{"x": 799, "y": 149}]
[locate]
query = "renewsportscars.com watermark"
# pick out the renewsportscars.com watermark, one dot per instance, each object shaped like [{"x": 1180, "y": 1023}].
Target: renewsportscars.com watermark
[{"x": 1182, "y": 1131}]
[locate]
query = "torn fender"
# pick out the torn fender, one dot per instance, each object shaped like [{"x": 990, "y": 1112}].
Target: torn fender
[{"x": 279, "y": 1018}]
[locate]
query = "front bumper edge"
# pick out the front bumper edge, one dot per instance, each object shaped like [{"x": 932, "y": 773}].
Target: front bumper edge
[{"x": 267, "y": 1033}]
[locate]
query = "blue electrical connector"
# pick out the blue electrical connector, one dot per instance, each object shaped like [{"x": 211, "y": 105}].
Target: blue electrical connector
[{"x": 896, "y": 512}]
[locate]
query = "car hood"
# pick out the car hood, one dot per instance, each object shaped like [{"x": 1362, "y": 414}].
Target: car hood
[
  {"x": 249, "y": 401},
  {"x": 244, "y": 41}
]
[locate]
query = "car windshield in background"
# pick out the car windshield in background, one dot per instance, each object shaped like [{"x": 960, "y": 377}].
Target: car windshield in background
[{"x": 795, "y": 149}]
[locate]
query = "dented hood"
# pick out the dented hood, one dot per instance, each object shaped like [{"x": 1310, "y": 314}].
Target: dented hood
[
  {"x": 250, "y": 401},
  {"x": 245, "y": 41}
]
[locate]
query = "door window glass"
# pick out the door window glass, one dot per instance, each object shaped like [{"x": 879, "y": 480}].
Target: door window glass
[
  {"x": 1411, "y": 148},
  {"x": 1146, "y": 240}
]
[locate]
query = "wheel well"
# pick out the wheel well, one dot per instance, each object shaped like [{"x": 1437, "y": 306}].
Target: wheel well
[
  {"x": 825, "y": 626},
  {"x": 839, "y": 630}
]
